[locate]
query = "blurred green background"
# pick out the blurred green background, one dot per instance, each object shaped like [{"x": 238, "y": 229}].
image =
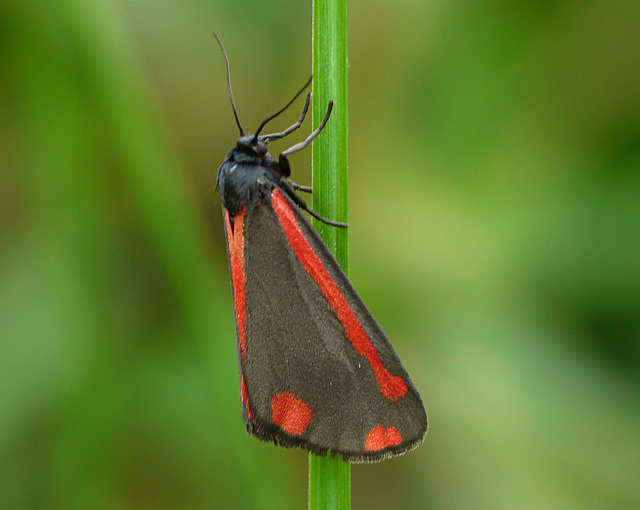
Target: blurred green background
[{"x": 495, "y": 234}]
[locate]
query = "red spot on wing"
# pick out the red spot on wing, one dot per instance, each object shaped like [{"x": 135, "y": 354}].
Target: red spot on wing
[
  {"x": 290, "y": 413},
  {"x": 391, "y": 386},
  {"x": 379, "y": 437},
  {"x": 235, "y": 242}
]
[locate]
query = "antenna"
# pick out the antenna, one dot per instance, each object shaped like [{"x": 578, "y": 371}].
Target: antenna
[
  {"x": 287, "y": 106},
  {"x": 233, "y": 103}
]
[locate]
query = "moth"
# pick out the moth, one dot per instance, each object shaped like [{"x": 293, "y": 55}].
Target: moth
[{"x": 316, "y": 370}]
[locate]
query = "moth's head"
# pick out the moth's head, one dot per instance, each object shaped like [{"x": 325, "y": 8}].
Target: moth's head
[{"x": 251, "y": 145}]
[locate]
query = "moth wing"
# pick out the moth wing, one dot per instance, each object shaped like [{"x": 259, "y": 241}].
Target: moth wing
[{"x": 304, "y": 381}]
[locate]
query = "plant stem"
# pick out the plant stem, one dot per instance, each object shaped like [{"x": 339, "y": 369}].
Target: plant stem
[{"x": 330, "y": 479}]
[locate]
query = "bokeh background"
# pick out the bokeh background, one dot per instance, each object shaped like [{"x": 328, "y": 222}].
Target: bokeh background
[{"x": 495, "y": 234}]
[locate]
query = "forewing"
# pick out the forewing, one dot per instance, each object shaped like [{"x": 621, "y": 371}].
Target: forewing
[{"x": 316, "y": 369}]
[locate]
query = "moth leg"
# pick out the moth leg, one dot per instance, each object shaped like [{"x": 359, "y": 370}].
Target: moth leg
[
  {"x": 297, "y": 187},
  {"x": 289, "y": 190},
  {"x": 283, "y": 161},
  {"x": 299, "y": 146},
  {"x": 291, "y": 129}
]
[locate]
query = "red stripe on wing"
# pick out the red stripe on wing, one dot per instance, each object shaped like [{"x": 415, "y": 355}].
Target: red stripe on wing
[
  {"x": 391, "y": 386},
  {"x": 244, "y": 396},
  {"x": 235, "y": 243}
]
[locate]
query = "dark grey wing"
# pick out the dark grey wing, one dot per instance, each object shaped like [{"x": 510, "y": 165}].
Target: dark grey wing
[{"x": 306, "y": 384}]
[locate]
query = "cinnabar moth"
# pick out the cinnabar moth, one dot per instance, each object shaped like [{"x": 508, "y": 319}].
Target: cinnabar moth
[{"x": 316, "y": 370}]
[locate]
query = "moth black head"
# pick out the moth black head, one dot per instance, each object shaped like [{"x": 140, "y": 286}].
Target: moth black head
[{"x": 252, "y": 145}]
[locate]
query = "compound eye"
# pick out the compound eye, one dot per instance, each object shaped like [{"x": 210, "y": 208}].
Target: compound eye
[{"x": 260, "y": 148}]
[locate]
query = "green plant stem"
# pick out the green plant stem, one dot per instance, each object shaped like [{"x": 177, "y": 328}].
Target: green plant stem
[
  {"x": 330, "y": 148},
  {"x": 330, "y": 479}
]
